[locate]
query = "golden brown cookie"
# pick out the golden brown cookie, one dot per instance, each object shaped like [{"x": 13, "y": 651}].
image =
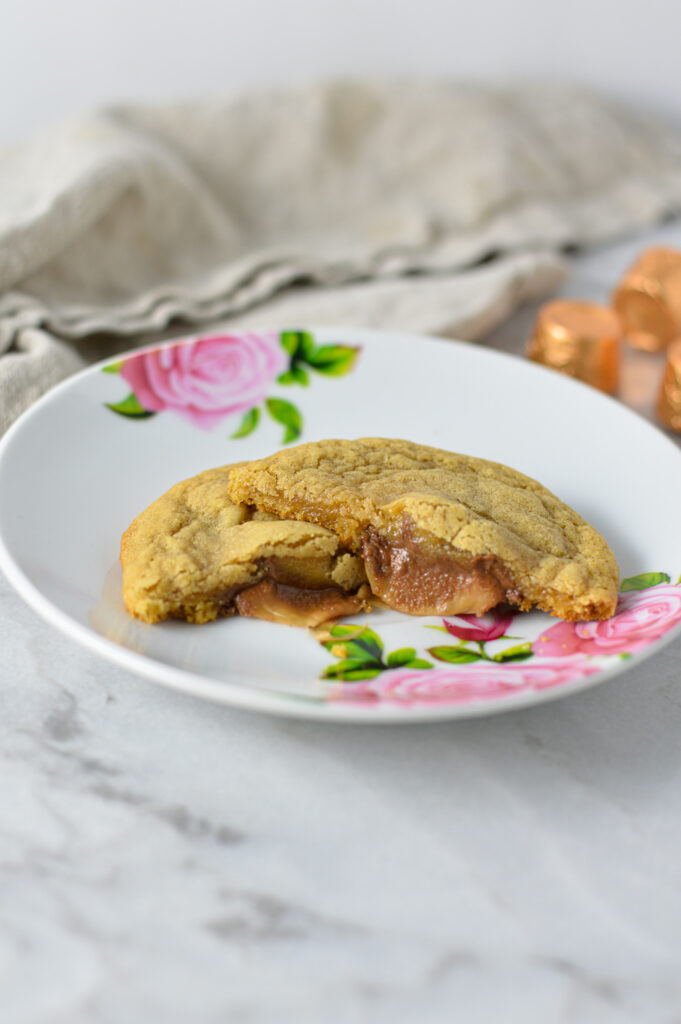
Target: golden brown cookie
[
  {"x": 194, "y": 554},
  {"x": 440, "y": 533}
]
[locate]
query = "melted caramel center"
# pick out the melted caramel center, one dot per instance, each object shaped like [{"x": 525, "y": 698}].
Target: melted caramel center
[
  {"x": 422, "y": 577},
  {"x": 295, "y": 606}
]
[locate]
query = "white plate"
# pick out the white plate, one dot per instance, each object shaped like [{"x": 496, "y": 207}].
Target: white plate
[{"x": 74, "y": 473}]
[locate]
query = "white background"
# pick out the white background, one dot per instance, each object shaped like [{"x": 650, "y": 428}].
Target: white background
[{"x": 60, "y": 56}]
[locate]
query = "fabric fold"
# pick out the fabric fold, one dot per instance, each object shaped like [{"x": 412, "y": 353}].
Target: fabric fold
[{"x": 355, "y": 202}]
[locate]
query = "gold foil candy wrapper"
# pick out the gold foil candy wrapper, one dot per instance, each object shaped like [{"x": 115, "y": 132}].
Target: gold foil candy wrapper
[
  {"x": 580, "y": 339},
  {"x": 648, "y": 299},
  {"x": 669, "y": 400}
]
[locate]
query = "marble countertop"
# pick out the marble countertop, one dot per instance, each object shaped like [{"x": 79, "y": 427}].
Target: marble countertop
[{"x": 163, "y": 859}]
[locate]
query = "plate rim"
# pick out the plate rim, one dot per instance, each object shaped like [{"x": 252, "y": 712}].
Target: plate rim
[{"x": 240, "y": 694}]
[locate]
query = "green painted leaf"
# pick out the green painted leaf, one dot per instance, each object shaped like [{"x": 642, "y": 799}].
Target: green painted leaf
[
  {"x": 354, "y": 629},
  {"x": 325, "y": 354},
  {"x": 643, "y": 581},
  {"x": 362, "y": 673},
  {"x": 248, "y": 423},
  {"x": 290, "y": 418},
  {"x": 333, "y": 360},
  {"x": 357, "y": 645},
  {"x": 624, "y": 657},
  {"x": 307, "y": 345},
  {"x": 296, "y": 375},
  {"x": 349, "y": 665},
  {"x": 290, "y": 341},
  {"x": 418, "y": 663},
  {"x": 518, "y": 653},
  {"x": 371, "y": 642},
  {"x": 363, "y": 649},
  {"x": 113, "y": 367},
  {"x": 131, "y": 408},
  {"x": 346, "y": 630},
  {"x": 401, "y": 656},
  {"x": 454, "y": 655}
]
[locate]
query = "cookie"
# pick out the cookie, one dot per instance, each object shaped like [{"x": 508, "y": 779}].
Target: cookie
[
  {"x": 440, "y": 533},
  {"x": 194, "y": 554}
]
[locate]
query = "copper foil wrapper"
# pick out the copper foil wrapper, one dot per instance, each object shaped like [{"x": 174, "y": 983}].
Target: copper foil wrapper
[
  {"x": 669, "y": 401},
  {"x": 580, "y": 339},
  {"x": 648, "y": 299}
]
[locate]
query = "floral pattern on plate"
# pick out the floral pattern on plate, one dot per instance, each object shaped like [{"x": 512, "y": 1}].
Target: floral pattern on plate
[
  {"x": 649, "y": 606},
  {"x": 208, "y": 379},
  {"x": 642, "y": 617}
]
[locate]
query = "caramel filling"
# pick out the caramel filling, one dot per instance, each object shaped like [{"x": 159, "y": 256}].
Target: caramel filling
[
  {"x": 295, "y": 606},
  {"x": 407, "y": 571},
  {"x": 293, "y": 594},
  {"x": 423, "y": 577}
]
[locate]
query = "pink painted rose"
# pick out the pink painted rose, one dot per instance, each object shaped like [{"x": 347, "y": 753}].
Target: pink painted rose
[
  {"x": 463, "y": 685},
  {"x": 207, "y": 379},
  {"x": 642, "y": 617},
  {"x": 479, "y": 628}
]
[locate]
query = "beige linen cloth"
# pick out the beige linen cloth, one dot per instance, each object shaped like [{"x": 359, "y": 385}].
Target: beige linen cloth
[{"x": 426, "y": 206}]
